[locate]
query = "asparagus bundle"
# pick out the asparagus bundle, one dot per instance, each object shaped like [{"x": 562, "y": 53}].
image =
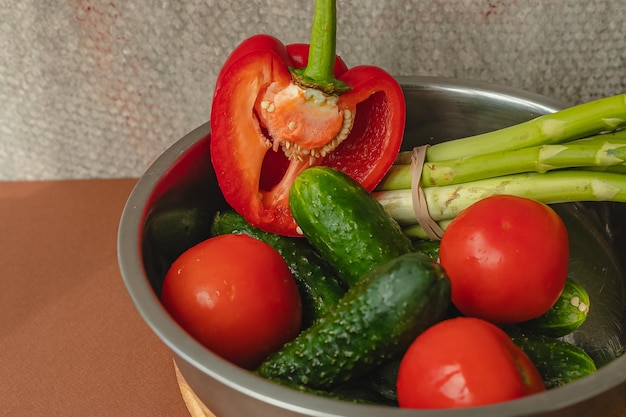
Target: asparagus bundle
[{"x": 576, "y": 154}]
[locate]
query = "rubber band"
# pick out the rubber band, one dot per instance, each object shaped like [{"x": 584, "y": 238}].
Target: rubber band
[{"x": 420, "y": 206}]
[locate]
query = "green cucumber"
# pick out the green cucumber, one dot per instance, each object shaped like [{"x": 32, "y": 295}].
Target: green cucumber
[
  {"x": 559, "y": 362},
  {"x": 169, "y": 231},
  {"x": 376, "y": 320},
  {"x": 383, "y": 379},
  {"x": 427, "y": 247},
  {"x": 317, "y": 282},
  {"x": 345, "y": 223},
  {"x": 356, "y": 395},
  {"x": 566, "y": 315}
]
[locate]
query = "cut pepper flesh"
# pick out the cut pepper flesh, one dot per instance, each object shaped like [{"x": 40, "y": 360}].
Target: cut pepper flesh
[
  {"x": 266, "y": 129},
  {"x": 304, "y": 122}
]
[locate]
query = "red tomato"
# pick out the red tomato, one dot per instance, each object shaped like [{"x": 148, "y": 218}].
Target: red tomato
[
  {"x": 507, "y": 258},
  {"x": 236, "y": 295},
  {"x": 463, "y": 362}
]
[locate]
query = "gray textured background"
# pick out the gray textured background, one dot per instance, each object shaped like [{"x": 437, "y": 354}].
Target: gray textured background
[{"x": 94, "y": 88}]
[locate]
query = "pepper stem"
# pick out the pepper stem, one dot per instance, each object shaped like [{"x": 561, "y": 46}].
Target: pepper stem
[{"x": 319, "y": 70}]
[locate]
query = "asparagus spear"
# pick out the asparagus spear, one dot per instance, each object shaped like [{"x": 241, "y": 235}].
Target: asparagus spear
[
  {"x": 586, "y": 137},
  {"x": 587, "y": 119},
  {"x": 445, "y": 202},
  {"x": 596, "y": 151}
]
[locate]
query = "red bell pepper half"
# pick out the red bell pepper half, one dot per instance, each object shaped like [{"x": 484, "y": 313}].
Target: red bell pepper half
[{"x": 269, "y": 121}]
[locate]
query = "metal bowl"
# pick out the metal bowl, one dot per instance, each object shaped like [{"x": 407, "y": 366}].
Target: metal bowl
[{"x": 171, "y": 206}]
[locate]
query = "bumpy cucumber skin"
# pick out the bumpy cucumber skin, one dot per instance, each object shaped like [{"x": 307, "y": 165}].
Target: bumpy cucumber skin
[
  {"x": 376, "y": 320},
  {"x": 557, "y": 361},
  {"x": 568, "y": 313},
  {"x": 345, "y": 223},
  {"x": 317, "y": 281}
]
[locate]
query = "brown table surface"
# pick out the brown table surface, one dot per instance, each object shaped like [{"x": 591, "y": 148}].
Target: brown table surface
[{"x": 71, "y": 341}]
